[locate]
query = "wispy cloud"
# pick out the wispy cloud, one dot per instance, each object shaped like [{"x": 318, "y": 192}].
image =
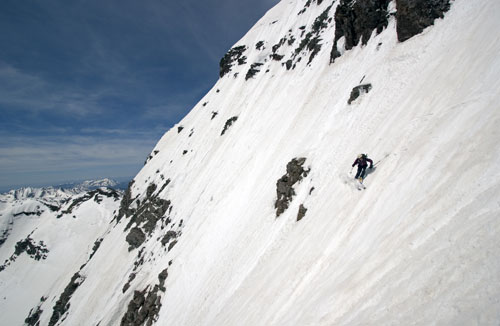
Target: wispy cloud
[
  {"x": 45, "y": 157},
  {"x": 22, "y": 91}
]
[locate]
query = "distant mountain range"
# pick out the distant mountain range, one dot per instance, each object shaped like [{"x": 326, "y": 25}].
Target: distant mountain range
[{"x": 68, "y": 188}]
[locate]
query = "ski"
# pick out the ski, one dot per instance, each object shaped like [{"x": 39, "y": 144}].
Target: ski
[{"x": 361, "y": 186}]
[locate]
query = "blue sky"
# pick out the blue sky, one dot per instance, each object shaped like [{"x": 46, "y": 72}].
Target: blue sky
[{"x": 87, "y": 87}]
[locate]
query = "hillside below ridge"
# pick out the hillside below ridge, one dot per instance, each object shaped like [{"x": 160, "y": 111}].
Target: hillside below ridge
[{"x": 246, "y": 212}]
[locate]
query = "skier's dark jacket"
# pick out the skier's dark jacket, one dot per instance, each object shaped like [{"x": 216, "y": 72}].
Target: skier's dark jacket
[{"x": 363, "y": 162}]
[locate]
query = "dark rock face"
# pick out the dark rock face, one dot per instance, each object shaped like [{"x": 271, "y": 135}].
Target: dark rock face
[
  {"x": 96, "y": 194},
  {"x": 279, "y": 44},
  {"x": 253, "y": 70},
  {"x": 33, "y": 318},
  {"x": 228, "y": 124},
  {"x": 357, "y": 91},
  {"x": 4, "y": 236},
  {"x": 151, "y": 210},
  {"x": 126, "y": 202},
  {"x": 172, "y": 244},
  {"x": 143, "y": 309},
  {"x": 301, "y": 213},
  {"x": 135, "y": 238},
  {"x": 356, "y": 21},
  {"x": 276, "y": 57},
  {"x": 62, "y": 305},
  {"x": 30, "y": 247},
  {"x": 413, "y": 16},
  {"x": 162, "y": 278},
  {"x": 131, "y": 277},
  {"x": 284, "y": 186},
  {"x": 167, "y": 237},
  {"x": 312, "y": 41},
  {"x": 233, "y": 55}
]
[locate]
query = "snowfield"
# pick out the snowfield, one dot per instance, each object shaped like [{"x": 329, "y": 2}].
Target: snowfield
[{"x": 418, "y": 246}]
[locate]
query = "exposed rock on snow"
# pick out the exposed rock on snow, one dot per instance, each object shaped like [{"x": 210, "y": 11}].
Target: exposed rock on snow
[
  {"x": 135, "y": 238},
  {"x": 62, "y": 305},
  {"x": 413, "y": 16},
  {"x": 253, "y": 70},
  {"x": 228, "y": 124},
  {"x": 357, "y": 91},
  {"x": 29, "y": 246},
  {"x": 233, "y": 55},
  {"x": 33, "y": 318},
  {"x": 295, "y": 172},
  {"x": 143, "y": 309},
  {"x": 96, "y": 195},
  {"x": 170, "y": 235},
  {"x": 302, "y": 212},
  {"x": 127, "y": 200},
  {"x": 145, "y": 217},
  {"x": 356, "y": 20}
]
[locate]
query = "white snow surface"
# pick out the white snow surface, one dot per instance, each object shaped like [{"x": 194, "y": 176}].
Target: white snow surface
[{"x": 418, "y": 246}]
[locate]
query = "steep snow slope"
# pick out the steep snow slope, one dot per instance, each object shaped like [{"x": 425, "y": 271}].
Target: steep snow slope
[
  {"x": 197, "y": 240},
  {"x": 417, "y": 247}
]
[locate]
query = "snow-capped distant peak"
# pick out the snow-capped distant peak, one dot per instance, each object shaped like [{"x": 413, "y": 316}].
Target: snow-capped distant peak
[{"x": 100, "y": 183}]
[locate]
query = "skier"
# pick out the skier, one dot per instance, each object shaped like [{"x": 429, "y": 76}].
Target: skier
[{"x": 362, "y": 162}]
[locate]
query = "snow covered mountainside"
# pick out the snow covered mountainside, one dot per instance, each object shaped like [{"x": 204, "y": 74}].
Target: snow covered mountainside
[
  {"x": 245, "y": 213},
  {"x": 46, "y": 233}
]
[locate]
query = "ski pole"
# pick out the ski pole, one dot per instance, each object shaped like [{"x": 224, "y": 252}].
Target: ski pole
[{"x": 381, "y": 159}]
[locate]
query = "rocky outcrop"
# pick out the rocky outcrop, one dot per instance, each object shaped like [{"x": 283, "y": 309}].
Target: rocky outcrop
[
  {"x": 135, "y": 238},
  {"x": 233, "y": 55},
  {"x": 30, "y": 247},
  {"x": 356, "y": 21},
  {"x": 302, "y": 212},
  {"x": 253, "y": 70},
  {"x": 96, "y": 246},
  {"x": 228, "y": 124},
  {"x": 5, "y": 234},
  {"x": 148, "y": 213},
  {"x": 284, "y": 186},
  {"x": 62, "y": 305},
  {"x": 170, "y": 235},
  {"x": 33, "y": 318},
  {"x": 312, "y": 41},
  {"x": 35, "y": 251},
  {"x": 357, "y": 91},
  {"x": 145, "y": 306},
  {"x": 127, "y": 200},
  {"x": 96, "y": 194},
  {"x": 413, "y": 16}
]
